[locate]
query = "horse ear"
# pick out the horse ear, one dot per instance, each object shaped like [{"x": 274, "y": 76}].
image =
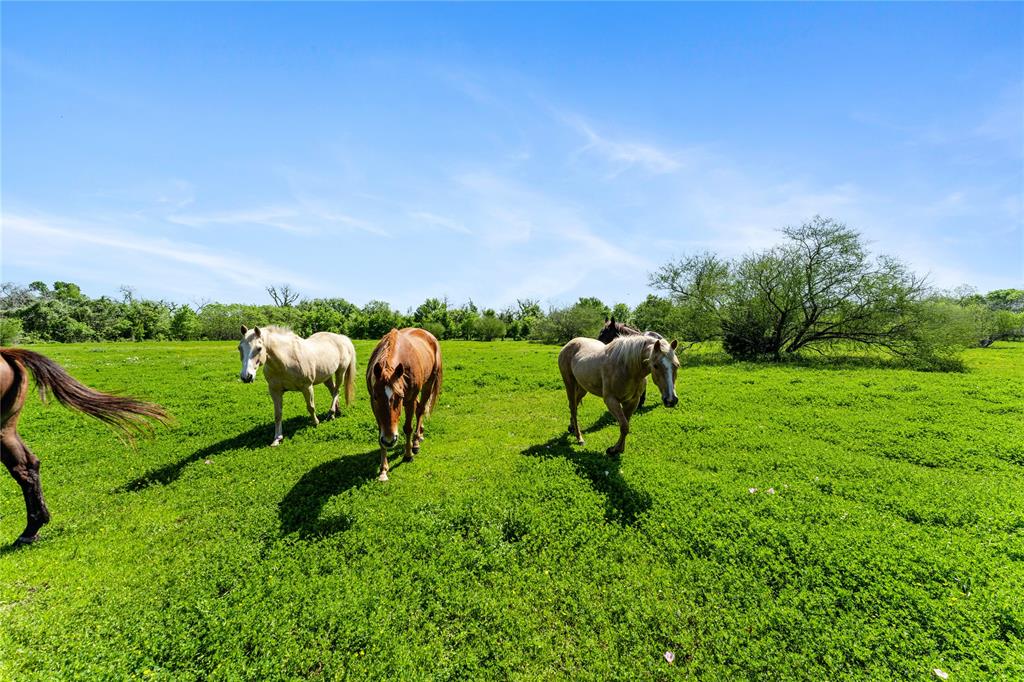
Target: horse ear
[
  {"x": 397, "y": 374},
  {"x": 377, "y": 369},
  {"x": 674, "y": 344},
  {"x": 256, "y": 331},
  {"x": 245, "y": 330},
  {"x": 613, "y": 320}
]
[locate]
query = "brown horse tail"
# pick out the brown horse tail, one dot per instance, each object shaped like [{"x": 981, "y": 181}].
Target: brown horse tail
[
  {"x": 130, "y": 416},
  {"x": 438, "y": 377}
]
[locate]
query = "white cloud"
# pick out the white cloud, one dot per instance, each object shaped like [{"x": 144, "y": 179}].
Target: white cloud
[
  {"x": 73, "y": 239},
  {"x": 623, "y": 155},
  {"x": 439, "y": 221},
  {"x": 305, "y": 218}
]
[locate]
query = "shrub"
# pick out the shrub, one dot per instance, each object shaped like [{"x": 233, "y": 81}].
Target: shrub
[
  {"x": 10, "y": 330},
  {"x": 488, "y": 327}
]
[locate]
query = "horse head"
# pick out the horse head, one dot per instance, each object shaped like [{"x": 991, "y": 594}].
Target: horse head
[
  {"x": 664, "y": 366},
  {"x": 611, "y": 330},
  {"x": 253, "y": 350},
  {"x": 387, "y": 393}
]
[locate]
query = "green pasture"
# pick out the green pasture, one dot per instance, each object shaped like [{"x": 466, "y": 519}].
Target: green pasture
[{"x": 884, "y": 536}]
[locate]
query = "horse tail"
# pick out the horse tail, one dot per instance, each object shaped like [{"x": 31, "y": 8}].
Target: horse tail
[
  {"x": 131, "y": 416},
  {"x": 350, "y": 380},
  {"x": 438, "y": 378}
]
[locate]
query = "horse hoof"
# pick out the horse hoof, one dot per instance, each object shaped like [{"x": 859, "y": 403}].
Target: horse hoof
[
  {"x": 26, "y": 540},
  {"x": 407, "y": 458},
  {"x": 383, "y": 476},
  {"x": 612, "y": 452},
  {"x": 276, "y": 442}
]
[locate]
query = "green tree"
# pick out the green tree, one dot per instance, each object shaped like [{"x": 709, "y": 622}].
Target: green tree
[
  {"x": 818, "y": 288},
  {"x": 488, "y": 327},
  {"x": 185, "y": 325},
  {"x": 560, "y": 325}
]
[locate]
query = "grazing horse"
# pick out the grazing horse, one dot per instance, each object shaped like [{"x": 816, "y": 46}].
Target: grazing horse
[
  {"x": 618, "y": 373},
  {"x": 131, "y": 416},
  {"x": 292, "y": 363},
  {"x": 613, "y": 330},
  {"x": 404, "y": 370}
]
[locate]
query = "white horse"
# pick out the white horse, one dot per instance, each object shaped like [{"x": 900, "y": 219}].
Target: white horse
[
  {"x": 618, "y": 373},
  {"x": 292, "y": 363}
]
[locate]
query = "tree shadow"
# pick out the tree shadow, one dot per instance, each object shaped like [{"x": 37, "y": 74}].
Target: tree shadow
[
  {"x": 253, "y": 439},
  {"x": 623, "y": 503},
  {"x": 299, "y": 511}
]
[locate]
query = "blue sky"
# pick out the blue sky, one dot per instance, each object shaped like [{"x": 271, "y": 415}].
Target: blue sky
[{"x": 496, "y": 152}]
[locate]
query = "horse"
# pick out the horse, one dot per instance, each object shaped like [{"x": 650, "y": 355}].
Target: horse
[
  {"x": 404, "y": 370},
  {"x": 618, "y": 373},
  {"x": 130, "y": 416},
  {"x": 292, "y": 363},
  {"x": 613, "y": 330}
]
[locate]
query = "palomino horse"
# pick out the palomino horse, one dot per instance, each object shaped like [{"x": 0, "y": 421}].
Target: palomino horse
[
  {"x": 131, "y": 416},
  {"x": 405, "y": 370},
  {"x": 618, "y": 373},
  {"x": 292, "y": 363},
  {"x": 613, "y": 330}
]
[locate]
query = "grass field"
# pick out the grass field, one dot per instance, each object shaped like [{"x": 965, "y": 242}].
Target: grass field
[{"x": 783, "y": 522}]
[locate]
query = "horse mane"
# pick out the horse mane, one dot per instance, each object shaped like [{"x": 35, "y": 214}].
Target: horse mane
[
  {"x": 386, "y": 354},
  {"x": 277, "y": 329},
  {"x": 628, "y": 350}
]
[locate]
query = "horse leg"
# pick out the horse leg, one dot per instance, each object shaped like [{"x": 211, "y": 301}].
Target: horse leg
[
  {"x": 383, "y": 464},
  {"x": 332, "y": 386},
  {"x": 410, "y": 410},
  {"x": 575, "y": 393},
  {"x": 616, "y": 408},
  {"x": 421, "y": 409},
  {"x": 278, "y": 397},
  {"x": 643, "y": 395},
  {"x": 24, "y": 467},
  {"x": 310, "y": 404}
]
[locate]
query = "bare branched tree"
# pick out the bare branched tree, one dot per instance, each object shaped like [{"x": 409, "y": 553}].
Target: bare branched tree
[
  {"x": 199, "y": 303},
  {"x": 284, "y": 296}
]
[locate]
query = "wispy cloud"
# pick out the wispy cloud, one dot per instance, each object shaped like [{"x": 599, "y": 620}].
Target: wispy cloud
[
  {"x": 245, "y": 272},
  {"x": 303, "y": 219},
  {"x": 439, "y": 221},
  {"x": 548, "y": 245},
  {"x": 623, "y": 155}
]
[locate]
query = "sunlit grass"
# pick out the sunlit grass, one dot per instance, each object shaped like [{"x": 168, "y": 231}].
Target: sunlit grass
[{"x": 884, "y": 536}]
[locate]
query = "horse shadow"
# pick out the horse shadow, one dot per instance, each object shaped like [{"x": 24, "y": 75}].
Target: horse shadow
[
  {"x": 623, "y": 504},
  {"x": 607, "y": 419},
  {"x": 299, "y": 511},
  {"x": 253, "y": 439}
]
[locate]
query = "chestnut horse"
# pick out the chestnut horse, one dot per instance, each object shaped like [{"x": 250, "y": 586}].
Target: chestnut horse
[
  {"x": 618, "y": 373},
  {"x": 404, "y": 370},
  {"x": 131, "y": 416},
  {"x": 613, "y": 330}
]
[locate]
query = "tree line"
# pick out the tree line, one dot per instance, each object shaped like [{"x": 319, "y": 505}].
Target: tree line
[{"x": 817, "y": 290}]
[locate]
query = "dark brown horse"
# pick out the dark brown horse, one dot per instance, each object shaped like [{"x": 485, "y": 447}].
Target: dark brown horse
[
  {"x": 131, "y": 416},
  {"x": 613, "y": 330},
  {"x": 404, "y": 370}
]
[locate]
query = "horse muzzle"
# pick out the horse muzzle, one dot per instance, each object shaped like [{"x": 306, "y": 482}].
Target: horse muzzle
[
  {"x": 386, "y": 443},
  {"x": 670, "y": 402},
  {"x": 248, "y": 378}
]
